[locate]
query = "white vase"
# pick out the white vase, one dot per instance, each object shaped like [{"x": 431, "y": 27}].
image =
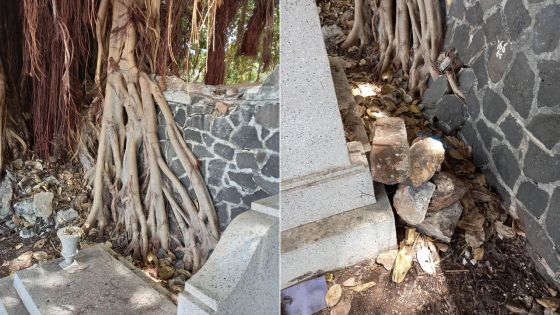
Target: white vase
[{"x": 69, "y": 245}]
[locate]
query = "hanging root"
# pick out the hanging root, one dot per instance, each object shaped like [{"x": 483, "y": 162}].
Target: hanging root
[
  {"x": 361, "y": 29},
  {"x": 140, "y": 202},
  {"x": 409, "y": 34},
  {"x": 3, "y": 114}
]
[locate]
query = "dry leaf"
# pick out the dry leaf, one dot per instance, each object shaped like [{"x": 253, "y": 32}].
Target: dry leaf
[
  {"x": 551, "y": 303},
  {"x": 364, "y": 286},
  {"x": 329, "y": 277},
  {"x": 503, "y": 231},
  {"x": 39, "y": 244},
  {"x": 456, "y": 154},
  {"x": 478, "y": 254},
  {"x": 350, "y": 282},
  {"x": 403, "y": 262},
  {"x": 387, "y": 259},
  {"x": 474, "y": 238},
  {"x": 40, "y": 256},
  {"x": 442, "y": 247},
  {"x": 18, "y": 246},
  {"x": 426, "y": 261},
  {"x": 414, "y": 109},
  {"x": 333, "y": 295},
  {"x": 410, "y": 236}
]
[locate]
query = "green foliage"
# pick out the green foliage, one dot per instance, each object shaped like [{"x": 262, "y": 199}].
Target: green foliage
[{"x": 240, "y": 69}]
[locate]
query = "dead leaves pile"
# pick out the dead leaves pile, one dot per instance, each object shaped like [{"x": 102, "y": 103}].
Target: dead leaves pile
[{"x": 335, "y": 292}]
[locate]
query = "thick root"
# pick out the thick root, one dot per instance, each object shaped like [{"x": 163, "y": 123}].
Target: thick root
[{"x": 144, "y": 203}]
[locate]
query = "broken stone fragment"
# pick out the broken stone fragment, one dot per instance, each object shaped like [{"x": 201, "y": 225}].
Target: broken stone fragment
[
  {"x": 64, "y": 217},
  {"x": 43, "y": 204},
  {"x": 24, "y": 209},
  {"x": 389, "y": 156},
  {"x": 449, "y": 189},
  {"x": 441, "y": 224},
  {"x": 426, "y": 157},
  {"x": 411, "y": 203},
  {"x": 435, "y": 91},
  {"x": 451, "y": 113},
  {"x": 6, "y": 194}
]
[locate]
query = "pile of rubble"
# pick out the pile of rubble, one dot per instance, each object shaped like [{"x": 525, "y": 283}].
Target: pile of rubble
[{"x": 36, "y": 199}]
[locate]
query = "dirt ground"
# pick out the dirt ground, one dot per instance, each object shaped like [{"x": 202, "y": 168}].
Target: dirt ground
[{"x": 505, "y": 281}]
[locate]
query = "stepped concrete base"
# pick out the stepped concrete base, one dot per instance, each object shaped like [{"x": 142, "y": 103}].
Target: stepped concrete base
[
  {"x": 103, "y": 286},
  {"x": 310, "y": 198},
  {"x": 338, "y": 241},
  {"x": 241, "y": 275},
  {"x": 10, "y": 303}
]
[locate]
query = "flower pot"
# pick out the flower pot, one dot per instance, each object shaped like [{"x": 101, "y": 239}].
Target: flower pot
[{"x": 69, "y": 237}]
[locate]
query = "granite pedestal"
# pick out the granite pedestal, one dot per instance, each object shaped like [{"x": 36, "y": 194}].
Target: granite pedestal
[{"x": 331, "y": 215}]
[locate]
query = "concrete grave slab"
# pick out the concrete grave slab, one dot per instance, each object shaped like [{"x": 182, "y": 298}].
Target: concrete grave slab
[
  {"x": 338, "y": 241},
  {"x": 241, "y": 275},
  {"x": 10, "y": 303},
  {"x": 103, "y": 286},
  {"x": 330, "y": 218}
]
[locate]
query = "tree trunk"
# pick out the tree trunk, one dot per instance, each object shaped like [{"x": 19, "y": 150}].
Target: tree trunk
[
  {"x": 143, "y": 203},
  {"x": 399, "y": 26},
  {"x": 215, "y": 62}
]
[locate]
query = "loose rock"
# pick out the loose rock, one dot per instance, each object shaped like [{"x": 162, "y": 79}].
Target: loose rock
[
  {"x": 331, "y": 31},
  {"x": 435, "y": 91},
  {"x": 6, "y": 194},
  {"x": 43, "y": 204},
  {"x": 449, "y": 189},
  {"x": 426, "y": 157},
  {"x": 24, "y": 209},
  {"x": 26, "y": 233},
  {"x": 451, "y": 113},
  {"x": 67, "y": 216},
  {"x": 441, "y": 224},
  {"x": 411, "y": 203},
  {"x": 389, "y": 155}
]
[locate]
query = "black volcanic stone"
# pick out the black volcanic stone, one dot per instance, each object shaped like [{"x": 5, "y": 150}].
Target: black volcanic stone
[
  {"x": 518, "y": 85},
  {"x": 487, "y": 134},
  {"x": 540, "y": 166},
  {"x": 546, "y": 127},
  {"x": 493, "y": 105},
  {"x": 533, "y": 198},
  {"x": 474, "y": 14},
  {"x": 545, "y": 31},
  {"x": 549, "y": 93},
  {"x": 517, "y": 18},
  {"x": 493, "y": 26},
  {"x": 553, "y": 216},
  {"x": 506, "y": 164},
  {"x": 512, "y": 130}
]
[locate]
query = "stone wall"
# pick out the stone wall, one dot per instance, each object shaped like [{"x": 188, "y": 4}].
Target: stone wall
[
  {"x": 233, "y": 131},
  {"x": 514, "y": 111}
]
